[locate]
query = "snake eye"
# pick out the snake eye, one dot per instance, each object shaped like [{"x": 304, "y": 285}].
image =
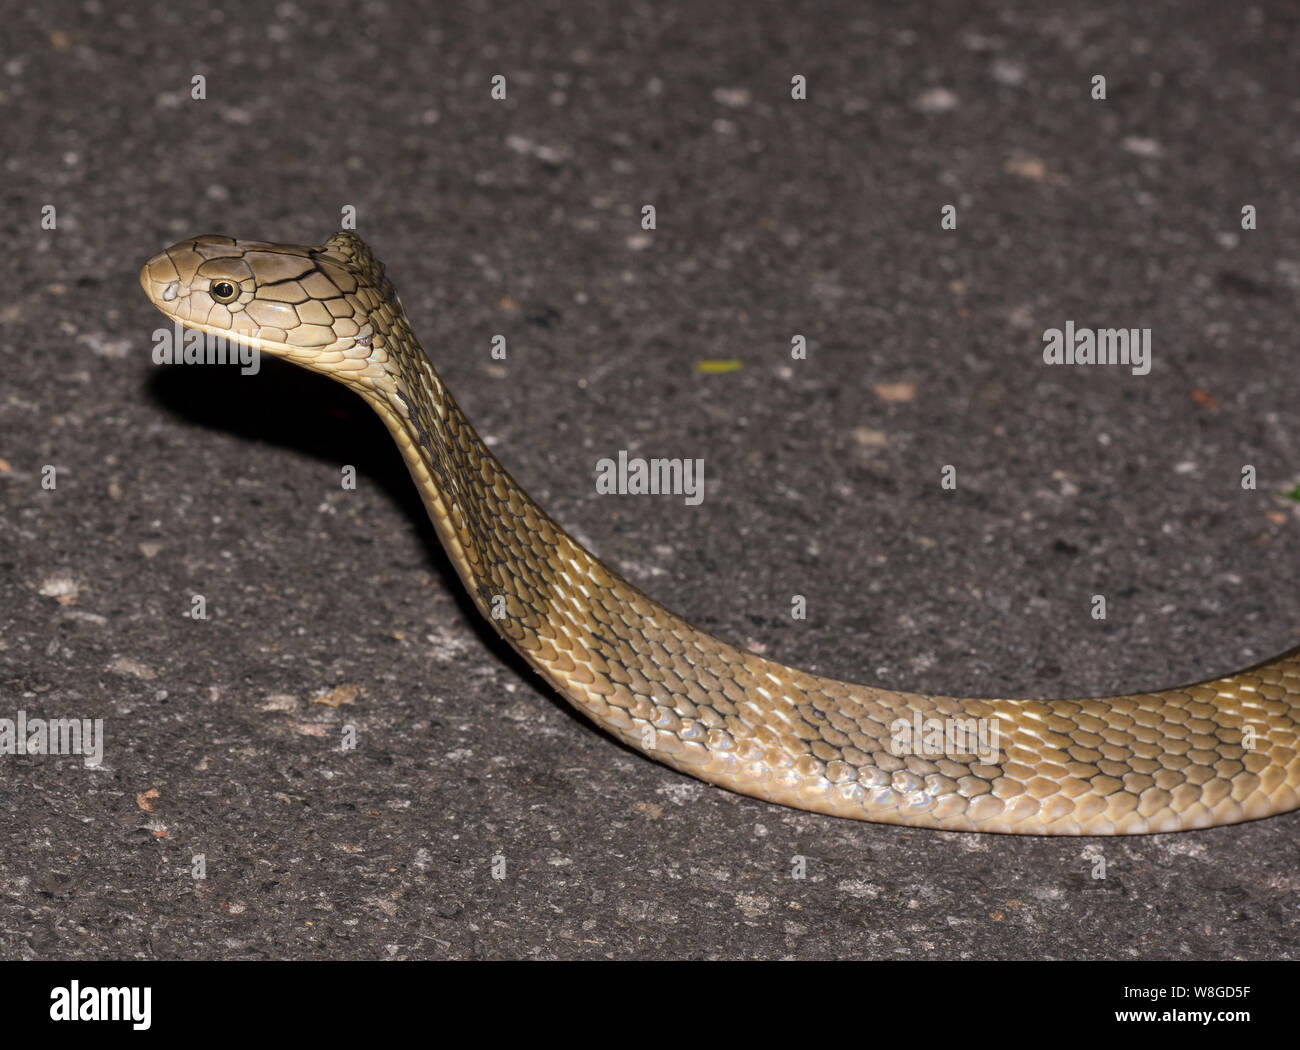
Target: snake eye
[{"x": 224, "y": 291}]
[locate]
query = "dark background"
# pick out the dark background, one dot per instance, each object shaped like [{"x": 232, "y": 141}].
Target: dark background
[{"x": 521, "y": 217}]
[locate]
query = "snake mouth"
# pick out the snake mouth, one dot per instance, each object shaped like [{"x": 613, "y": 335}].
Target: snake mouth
[{"x": 170, "y": 296}]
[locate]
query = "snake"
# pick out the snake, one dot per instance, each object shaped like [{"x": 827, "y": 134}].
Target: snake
[{"x": 1215, "y": 752}]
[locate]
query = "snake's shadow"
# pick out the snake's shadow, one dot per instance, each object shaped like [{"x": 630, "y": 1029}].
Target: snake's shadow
[{"x": 287, "y": 406}]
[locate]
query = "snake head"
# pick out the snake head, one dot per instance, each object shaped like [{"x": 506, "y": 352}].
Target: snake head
[{"x": 325, "y": 308}]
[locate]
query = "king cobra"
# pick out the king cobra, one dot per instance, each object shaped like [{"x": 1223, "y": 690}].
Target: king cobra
[{"x": 1217, "y": 752}]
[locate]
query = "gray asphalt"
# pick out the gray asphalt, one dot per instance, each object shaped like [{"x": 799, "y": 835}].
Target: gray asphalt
[{"x": 522, "y": 217}]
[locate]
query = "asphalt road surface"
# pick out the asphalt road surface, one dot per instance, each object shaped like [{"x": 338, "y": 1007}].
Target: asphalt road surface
[{"x": 477, "y": 816}]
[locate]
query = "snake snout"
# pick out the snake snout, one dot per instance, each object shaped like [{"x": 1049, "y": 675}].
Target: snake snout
[{"x": 160, "y": 281}]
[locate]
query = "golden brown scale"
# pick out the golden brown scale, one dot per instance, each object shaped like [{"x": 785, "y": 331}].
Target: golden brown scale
[{"x": 1213, "y": 753}]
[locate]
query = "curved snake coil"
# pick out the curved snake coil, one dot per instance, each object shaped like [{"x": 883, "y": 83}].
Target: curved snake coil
[{"x": 1216, "y": 752}]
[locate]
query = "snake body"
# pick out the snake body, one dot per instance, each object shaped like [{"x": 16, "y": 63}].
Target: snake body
[{"x": 1216, "y": 752}]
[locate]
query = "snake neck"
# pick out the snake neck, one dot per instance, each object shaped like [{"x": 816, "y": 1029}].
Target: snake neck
[
  {"x": 502, "y": 544},
  {"x": 521, "y": 569}
]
